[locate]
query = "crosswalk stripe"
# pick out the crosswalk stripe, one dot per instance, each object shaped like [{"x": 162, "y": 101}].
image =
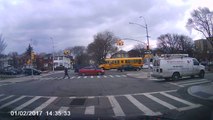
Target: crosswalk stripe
[
  {"x": 177, "y": 99},
  {"x": 116, "y": 106},
  {"x": 45, "y": 104},
  {"x": 140, "y": 106},
  {"x": 98, "y": 77},
  {"x": 189, "y": 107},
  {"x": 195, "y": 83},
  {"x": 11, "y": 102},
  {"x": 160, "y": 101},
  {"x": 105, "y": 76},
  {"x": 90, "y": 110},
  {"x": 124, "y": 75},
  {"x": 85, "y": 76},
  {"x": 117, "y": 75},
  {"x": 27, "y": 103},
  {"x": 62, "y": 109},
  {"x": 91, "y": 76},
  {"x": 111, "y": 76},
  {"x": 79, "y": 77},
  {"x": 6, "y": 98},
  {"x": 72, "y": 77}
]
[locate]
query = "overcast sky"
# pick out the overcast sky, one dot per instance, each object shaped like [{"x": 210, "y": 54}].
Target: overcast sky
[{"x": 75, "y": 22}]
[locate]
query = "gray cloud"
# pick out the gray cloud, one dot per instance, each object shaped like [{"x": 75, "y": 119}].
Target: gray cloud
[{"x": 75, "y": 22}]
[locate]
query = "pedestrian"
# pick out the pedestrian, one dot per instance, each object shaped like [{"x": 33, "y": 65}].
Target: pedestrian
[{"x": 66, "y": 73}]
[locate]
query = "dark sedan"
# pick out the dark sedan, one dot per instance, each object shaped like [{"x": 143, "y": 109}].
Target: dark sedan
[
  {"x": 129, "y": 68},
  {"x": 29, "y": 71}
]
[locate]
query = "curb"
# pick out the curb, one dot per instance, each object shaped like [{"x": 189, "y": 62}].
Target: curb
[{"x": 197, "y": 96}]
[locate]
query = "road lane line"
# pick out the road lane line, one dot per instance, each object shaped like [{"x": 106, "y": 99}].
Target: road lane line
[
  {"x": 116, "y": 106},
  {"x": 11, "y": 102},
  {"x": 177, "y": 99},
  {"x": 6, "y": 98},
  {"x": 140, "y": 106},
  {"x": 90, "y": 110},
  {"x": 195, "y": 83},
  {"x": 26, "y": 103},
  {"x": 45, "y": 104},
  {"x": 160, "y": 101}
]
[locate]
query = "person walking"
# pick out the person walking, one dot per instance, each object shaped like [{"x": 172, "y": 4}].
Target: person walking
[{"x": 66, "y": 73}]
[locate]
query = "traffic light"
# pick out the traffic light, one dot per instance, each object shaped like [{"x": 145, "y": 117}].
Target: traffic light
[{"x": 119, "y": 42}]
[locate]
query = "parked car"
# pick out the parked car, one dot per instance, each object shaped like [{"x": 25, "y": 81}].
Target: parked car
[
  {"x": 29, "y": 71},
  {"x": 9, "y": 72},
  {"x": 91, "y": 70},
  {"x": 129, "y": 68}
]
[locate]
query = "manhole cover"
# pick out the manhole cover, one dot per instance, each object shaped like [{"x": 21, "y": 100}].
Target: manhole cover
[{"x": 78, "y": 101}]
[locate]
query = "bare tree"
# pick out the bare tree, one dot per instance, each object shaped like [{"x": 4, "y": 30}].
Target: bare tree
[
  {"x": 137, "y": 51},
  {"x": 77, "y": 50},
  {"x": 202, "y": 21},
  {"x": 3, "y": 45},
  {"x": 174, "y": 43},
  {"x": 103, "y": 44}
]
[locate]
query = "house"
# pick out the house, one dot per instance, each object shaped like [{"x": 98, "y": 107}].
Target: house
[
  {"x": 120, "y": 54},
  {"x": 62, "y": 61}
]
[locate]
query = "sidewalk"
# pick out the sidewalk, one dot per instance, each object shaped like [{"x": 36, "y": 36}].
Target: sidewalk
[
  {"x": 28, "y": 78},
  {"x": 202, "y": 91}
]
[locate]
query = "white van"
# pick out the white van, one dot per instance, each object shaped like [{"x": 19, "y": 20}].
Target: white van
[{"x": 174, "y": 66}]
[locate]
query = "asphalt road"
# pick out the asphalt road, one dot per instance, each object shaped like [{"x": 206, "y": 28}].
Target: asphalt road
[{"x": 113, "y": 95}]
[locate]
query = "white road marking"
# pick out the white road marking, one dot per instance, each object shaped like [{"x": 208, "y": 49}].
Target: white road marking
[
  {"x": 92, "y": 77},
  {"x": 85, "y": 76},
  {"x": 116, "y": 106},
  {"x": 72, "y": 77},
  {"x": 176, "y": 84},
  {"x": 98, "y": 77},
  {"x": 1, "y": 95},
  {"x": 45, "y": 104},
  {"x": 177, "y": 99},
  {"x": 192, "y": 81},
  {"x": 124, "y": 75},
  {"x": 90, "y": 110},
  {"x": 6, "y": 98},
  {"x": 195, "y": 83},
  {"x": 189, "y": 107},
  {"x": 160, "y": 101},
  {"x": 105, "y": 76},
  {"x": 117, "y": 75},
  {"x": 79, "y": 77},
  {"x": 111, "y": 76},
  {"x": 11, "y": 102},
  {"x": 140, "y": 106},
  {"x": 27, "y": 103}
]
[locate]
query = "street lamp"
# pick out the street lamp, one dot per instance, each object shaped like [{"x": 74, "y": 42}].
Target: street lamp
[
  {"x": 53, "y": 53},
  {"x": 147, "y": 37}
]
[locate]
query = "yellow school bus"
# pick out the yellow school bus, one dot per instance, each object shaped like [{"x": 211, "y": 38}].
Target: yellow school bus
[{"x": 115, "y": 63}]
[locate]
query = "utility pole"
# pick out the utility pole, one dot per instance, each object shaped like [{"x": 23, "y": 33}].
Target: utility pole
[{"x": 53, "y": 54}]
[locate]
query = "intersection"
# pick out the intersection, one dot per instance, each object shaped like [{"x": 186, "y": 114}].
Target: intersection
[{"x": 115, "y": 94}]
